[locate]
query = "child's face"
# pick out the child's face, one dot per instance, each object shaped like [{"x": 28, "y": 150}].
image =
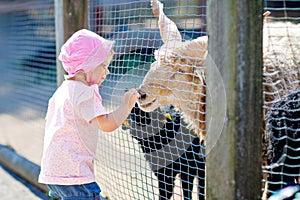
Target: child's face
[{"x": 101, "y": 71}]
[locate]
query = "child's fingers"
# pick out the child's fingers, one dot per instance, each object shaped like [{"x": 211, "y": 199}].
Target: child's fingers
[
  {"x": 134, "y": 92},
  {"x": 137, "y": 93},
  {"x": 131, "y": 96}
]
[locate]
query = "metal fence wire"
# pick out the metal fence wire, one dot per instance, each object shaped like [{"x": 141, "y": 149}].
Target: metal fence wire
[
  {"x": 154, "y": 154},
  {"x": 281, "y": 92},
  {"x": 28, "y": 78}
]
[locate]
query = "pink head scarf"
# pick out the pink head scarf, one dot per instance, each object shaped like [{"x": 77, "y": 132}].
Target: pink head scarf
[{"x": 84, "y": 51}]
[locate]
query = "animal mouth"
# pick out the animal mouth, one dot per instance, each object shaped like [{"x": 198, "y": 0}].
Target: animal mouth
[{"x": 148, "y": 104}]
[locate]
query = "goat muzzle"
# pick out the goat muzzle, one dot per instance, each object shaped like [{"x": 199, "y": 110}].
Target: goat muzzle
[{"x": 143, "y": 94}]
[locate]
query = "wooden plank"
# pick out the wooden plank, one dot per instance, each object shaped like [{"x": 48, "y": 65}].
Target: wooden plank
[
  {"x": 70, "y": 16},
  {"x": 235, "y": 48}
]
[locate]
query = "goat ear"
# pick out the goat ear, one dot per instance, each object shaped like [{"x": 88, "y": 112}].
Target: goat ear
[
  {"x": 168, "y": 29},
  {"x": 203, "y": 41}
]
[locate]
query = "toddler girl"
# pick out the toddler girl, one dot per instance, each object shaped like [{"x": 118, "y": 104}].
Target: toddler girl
[{"x": 75, "y": 113}]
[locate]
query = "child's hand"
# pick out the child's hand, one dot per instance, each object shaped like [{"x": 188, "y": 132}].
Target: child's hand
[
  {"x": 130, "y": 98},
  {"x": 113, "y": 120}
]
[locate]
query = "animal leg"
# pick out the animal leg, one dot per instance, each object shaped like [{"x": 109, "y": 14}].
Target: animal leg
[
  {"x": 165, "y": 185},
  {"x": 187, "y": 184},
  {"x": 201, "y": 182}
]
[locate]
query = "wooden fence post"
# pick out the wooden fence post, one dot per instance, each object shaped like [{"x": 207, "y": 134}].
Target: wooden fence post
[
  {"x": 235, "y": 47},
  {"x": 70, "y": 16}
]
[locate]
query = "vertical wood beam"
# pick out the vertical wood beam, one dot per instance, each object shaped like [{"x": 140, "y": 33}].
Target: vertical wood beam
[
  {"x": 234, "y": 163},
  {"x": 70, "y": 16}
]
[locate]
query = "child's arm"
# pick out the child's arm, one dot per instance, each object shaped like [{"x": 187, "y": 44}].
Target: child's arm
[{"x": 113, "y": 120}]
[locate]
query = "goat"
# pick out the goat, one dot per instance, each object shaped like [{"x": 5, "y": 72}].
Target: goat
[{"x": 188, "y": 161}]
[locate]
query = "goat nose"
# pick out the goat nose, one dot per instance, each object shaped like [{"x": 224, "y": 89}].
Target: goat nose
[{"x": 143, "y": 94}]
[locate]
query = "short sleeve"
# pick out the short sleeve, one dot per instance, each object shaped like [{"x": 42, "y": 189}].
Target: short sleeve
[{"x": 91, "y": 107}]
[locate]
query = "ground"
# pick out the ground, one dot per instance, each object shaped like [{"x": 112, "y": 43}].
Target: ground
[{"x": 12, "y": 187}]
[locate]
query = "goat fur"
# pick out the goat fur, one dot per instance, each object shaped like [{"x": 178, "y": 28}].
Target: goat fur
[{"x": 178, "y": 77}]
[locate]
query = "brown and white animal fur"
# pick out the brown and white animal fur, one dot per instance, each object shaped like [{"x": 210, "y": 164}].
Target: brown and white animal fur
[{"x": 178, "y": 77}]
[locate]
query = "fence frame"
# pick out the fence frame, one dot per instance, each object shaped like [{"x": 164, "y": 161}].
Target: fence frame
[{"x": 234, "y": 164}]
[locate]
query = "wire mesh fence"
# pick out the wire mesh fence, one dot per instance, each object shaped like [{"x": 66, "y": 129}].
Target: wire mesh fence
[
  {"x": 281, "y": 93},
  {"x": 28, "y": 78},
  {"x": 154, "y": 154}
]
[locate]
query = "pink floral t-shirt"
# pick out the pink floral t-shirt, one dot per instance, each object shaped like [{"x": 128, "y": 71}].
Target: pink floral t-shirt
[{"x": 70, "y": 138}]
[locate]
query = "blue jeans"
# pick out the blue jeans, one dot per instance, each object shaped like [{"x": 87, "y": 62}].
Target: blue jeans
[{"x": 90, "y": 191}]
